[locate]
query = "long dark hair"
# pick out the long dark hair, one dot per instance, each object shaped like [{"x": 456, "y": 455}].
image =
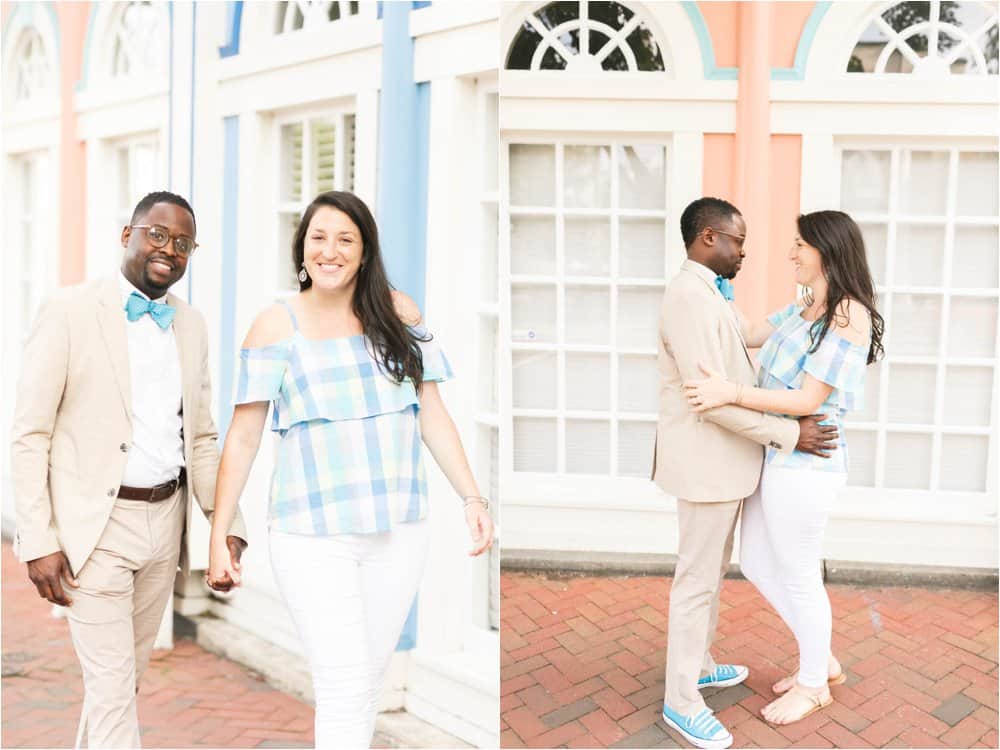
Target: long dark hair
[
  {"x": 845, "y": 266},
  {"x": 396, "y": 348}
]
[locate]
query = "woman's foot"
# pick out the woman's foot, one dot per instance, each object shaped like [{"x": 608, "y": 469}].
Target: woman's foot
[
  {"x": 796, "y": 704},
  {"x": 835, "y": 676}
]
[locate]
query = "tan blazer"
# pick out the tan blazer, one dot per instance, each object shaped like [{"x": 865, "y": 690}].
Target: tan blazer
[
  {"x": 73, "y": 421},
  {"x": 715, "y": 456}
]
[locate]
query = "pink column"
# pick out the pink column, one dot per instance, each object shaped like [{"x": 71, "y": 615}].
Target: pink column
[
  {"x": 73, "y": 19},
  {"x": 752, "y": 162}
]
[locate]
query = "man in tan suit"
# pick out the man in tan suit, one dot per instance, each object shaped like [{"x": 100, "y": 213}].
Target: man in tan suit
[
  {"x": 112, "y": 431},
  {"x": 709, "y": 462}
]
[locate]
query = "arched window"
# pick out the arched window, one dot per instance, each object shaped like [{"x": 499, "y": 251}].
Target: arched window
[
  {"x": 929, "y": 39},
  {"x": 584, "y": 36},
  {"x": 140, "y": 38},
  {"x": 311, "y": 14},
  {"x": 32, "y": 69}
]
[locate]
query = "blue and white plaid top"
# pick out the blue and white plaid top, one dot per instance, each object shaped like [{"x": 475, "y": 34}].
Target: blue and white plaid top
[
  {"x": 784, "y": 361},
  {"x": 349, "y": 458}
]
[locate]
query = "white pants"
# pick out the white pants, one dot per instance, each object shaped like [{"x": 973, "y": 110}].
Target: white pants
[
  {"x": 349, "y": 595},
  {"x": 781, "y": 548}
]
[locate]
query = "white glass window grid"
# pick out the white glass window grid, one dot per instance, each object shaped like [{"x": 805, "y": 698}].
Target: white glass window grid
[
  {"x": 141, "y": 36},
  {"x": 939, "y": 391},
  {"x": 315, "y": 155},
  {"x": 137, "y": 173},
  {"x": 586, "y": 60},
  {"x": 32, "y": 68},
  {"x": 556, "y": 426},
  {"x": 487, "y": 343},
  {"x": 969, "y": 44},
  {"x": 297, "y": 15}
]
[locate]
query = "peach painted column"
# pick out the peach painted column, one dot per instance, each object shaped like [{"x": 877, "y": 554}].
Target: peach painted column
[
  {"x": 73, "y": 19},
  {"x": 753, "y": 148}
]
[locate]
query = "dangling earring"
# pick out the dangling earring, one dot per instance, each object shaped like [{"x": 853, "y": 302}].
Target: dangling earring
[{"x": 303, "y": 276}]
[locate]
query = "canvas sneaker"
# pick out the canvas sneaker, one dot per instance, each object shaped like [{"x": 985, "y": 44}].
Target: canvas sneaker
[
  {"x": 724, "y": 675},
  {"x": 701, "y": 729}
]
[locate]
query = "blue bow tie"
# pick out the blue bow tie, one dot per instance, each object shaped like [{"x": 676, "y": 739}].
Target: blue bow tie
[
  {"x": 137, "y": 306},
  {"x": 725, "y": 286}
]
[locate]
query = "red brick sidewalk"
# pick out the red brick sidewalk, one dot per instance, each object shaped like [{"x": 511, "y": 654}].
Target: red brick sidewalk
[
  {"x": 583, "y": 659},
  {"x": 188, "y": 698}
]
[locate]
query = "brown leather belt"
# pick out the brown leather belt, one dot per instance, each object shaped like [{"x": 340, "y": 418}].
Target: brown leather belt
[{"x": 153, "y": 494}]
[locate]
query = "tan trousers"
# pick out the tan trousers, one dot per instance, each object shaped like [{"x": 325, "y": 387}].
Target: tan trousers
[
  {"x": 125, "y": 586},
  {"x": 705, "y": 546}
]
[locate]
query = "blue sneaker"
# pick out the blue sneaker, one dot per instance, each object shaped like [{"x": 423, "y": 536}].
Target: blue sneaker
[
  {"x": 724, "y": 675},
  {"x": 701, "y": 730}
]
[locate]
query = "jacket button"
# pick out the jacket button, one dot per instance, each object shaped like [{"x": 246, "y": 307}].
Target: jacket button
[
  {"x": 123, "y": 447},
  {"x": 112, "y": 492}
]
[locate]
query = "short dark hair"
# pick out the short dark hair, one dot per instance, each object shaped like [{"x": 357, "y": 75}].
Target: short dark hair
[
  {"x": 161, "y": 196},
  {"x": 705, "y": 212}
]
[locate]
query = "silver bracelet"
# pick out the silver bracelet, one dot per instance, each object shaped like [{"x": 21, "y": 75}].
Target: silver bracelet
[{"x": 469, "y": 499}]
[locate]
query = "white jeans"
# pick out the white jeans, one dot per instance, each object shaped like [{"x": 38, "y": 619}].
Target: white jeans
[
  {"x": 781, "y": 548},
  {"x": 349, "y": 595}
]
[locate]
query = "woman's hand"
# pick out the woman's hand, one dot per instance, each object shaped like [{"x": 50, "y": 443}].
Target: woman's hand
[
  {"x": 710, "y": 392},
  {"x": 480, "y": 527},
  {"x": 224, "y": 569}
]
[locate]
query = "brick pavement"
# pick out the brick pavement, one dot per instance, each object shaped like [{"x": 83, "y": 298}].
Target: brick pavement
[
  {"x": 582, "y": 662},
  {"x": 188, "y": 697}
]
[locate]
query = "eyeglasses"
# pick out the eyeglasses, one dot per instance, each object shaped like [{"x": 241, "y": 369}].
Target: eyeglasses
[
  {"x": 741, "y": 237},
  {"x": 159, "y": 236}
]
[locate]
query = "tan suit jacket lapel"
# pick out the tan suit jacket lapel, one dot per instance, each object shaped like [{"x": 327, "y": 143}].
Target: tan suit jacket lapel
[
  {"x": 729, "y": 313},
  {"x": 188, "y": 355},
  {"x": 111, "y": 315}
]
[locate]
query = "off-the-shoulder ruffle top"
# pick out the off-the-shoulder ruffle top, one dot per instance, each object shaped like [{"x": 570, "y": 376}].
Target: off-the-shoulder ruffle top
[
  {"x": 349, "y": 459},
  {"x": 784, "y": 361}
]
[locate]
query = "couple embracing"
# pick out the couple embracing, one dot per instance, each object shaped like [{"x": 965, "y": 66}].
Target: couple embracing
[
  {"x": 768, "y": 442},
  {"x": 113, "y": 432}
]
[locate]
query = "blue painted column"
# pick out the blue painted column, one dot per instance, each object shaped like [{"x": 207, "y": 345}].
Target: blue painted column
[
  {"x": 404, "y": 140},
  {"x": 404, "y": 143},
  {"x": 230, "y": 241}
]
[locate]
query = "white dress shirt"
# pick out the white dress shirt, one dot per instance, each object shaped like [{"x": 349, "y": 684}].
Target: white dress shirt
[{"x": 157, "y": 451}]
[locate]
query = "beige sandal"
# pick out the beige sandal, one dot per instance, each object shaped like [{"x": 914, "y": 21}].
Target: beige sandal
[
  {"x": 839, "y": 679},
  {"x": 813, "y": 702}
]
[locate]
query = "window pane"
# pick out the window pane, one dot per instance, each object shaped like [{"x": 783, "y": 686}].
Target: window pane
[
  {"x": 635, "y": 448},
  {"x": 638, "y": 384},
  {"x": 588, "y": 446},
  {"x": 534, "y": 380},
  {"x": 919, "y": 255},
  {"x": 532, "y": 175},
  {"x": 972, "y": 327},
  {"x": 324, "y": 148},
  {"x": 869, "y": 413},
  {"x": 534, "y": 444},
  {"x": 290, "y": 185},
  {"x": 911, "y": 394},
  {"x": 587, "y": 318},
  {"x": 588, "y": 177},
  {"x": 587, "y": 246},
  {"x": 975, "y": 257},
  {"x": 978, "y": 194},
  {"x": 588, "y": 381},
  {"x": 916, "y": 324},
  {"x": 533, "y": 313},
  {"x": 865, "y": 182},
  {"x": 861, "y": 457},
  {"x": 875, "y": 246},
  {"x": 642, "y": 177},
  {"x": 963, "y": 462},
  {"x": 641, "y": 248},
  {"x": 638, "y": 316},
  {"x": 533, "y": 245},
  {"x": 908, "y": 460},
  {"x": 923, "y": 182},
  {"x": 968, "y": 396}
]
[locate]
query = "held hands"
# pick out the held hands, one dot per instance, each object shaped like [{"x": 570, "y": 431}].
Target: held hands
[
  {"x": 709, "y": 392},
  {"x": 224, "y": 569},
  {"x": 480, "y": 527},
  {"x": 48, "y": 573}
]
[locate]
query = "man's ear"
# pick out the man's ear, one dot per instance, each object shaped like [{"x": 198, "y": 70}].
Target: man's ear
[{"x": 126, "y": 233}]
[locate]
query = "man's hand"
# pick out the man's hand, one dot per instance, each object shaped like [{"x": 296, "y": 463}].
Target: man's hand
[
  {"x": 47, "y": 573},
  {"x": 226, "y": 581},
  {"x": 816, "y": 438}
]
